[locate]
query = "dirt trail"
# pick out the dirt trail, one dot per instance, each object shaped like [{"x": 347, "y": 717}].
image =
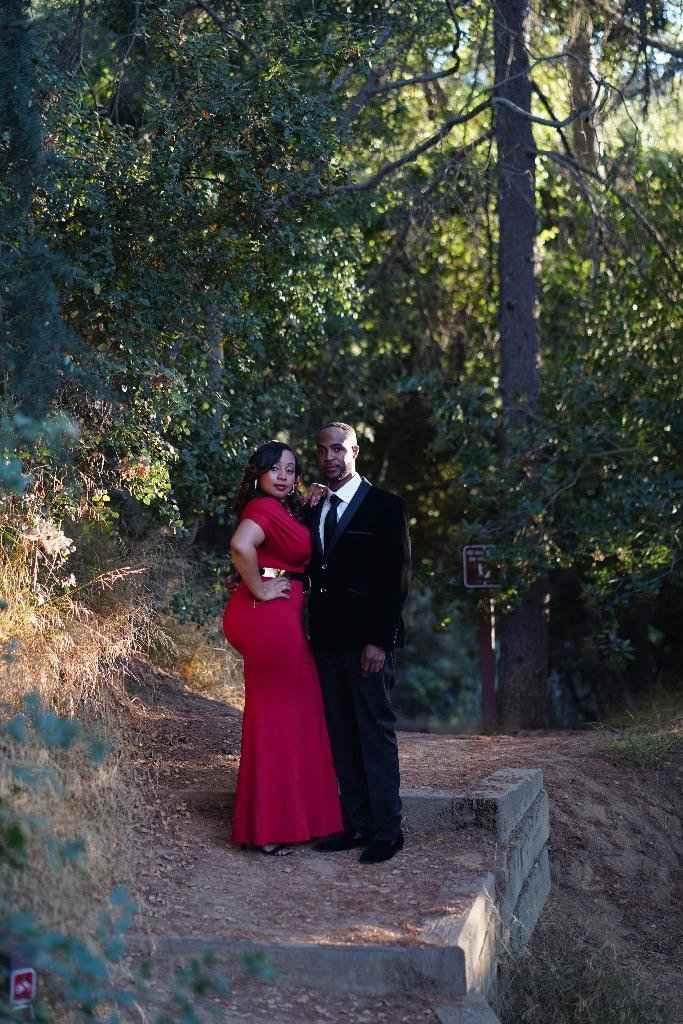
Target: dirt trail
[{"x": 616, "y": 845}]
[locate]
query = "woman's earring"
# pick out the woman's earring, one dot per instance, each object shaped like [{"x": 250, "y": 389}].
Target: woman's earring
[{"x": 256, "y": 485}]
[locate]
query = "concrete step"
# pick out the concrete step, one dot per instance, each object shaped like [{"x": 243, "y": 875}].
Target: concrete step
[
  {"x": 472, "y": 1009},
  {"x": 367, "y": 970},
  {"x": 486, "y": 850},
  {"x": 497, "y": 805},
  {"x": 342, "y": 971}
]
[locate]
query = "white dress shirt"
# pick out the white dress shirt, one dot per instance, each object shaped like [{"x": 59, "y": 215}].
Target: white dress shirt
[{"x": 345, "y": 494}]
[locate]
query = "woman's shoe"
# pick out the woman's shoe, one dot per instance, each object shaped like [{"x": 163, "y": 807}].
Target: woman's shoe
[{"x": 275, "y": 850}]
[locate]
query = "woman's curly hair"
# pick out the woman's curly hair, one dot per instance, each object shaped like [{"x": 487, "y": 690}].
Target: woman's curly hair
[{"x": 263, "y": 459}]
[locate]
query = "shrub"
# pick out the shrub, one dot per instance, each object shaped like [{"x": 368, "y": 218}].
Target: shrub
[
  {"x": 74, "y": 938},
  {"x": 650, "y": 734},
  {"x": 560, "y": 978}
]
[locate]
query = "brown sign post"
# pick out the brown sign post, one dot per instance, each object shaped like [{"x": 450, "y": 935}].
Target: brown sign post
[{"x": 480, "y": 572}]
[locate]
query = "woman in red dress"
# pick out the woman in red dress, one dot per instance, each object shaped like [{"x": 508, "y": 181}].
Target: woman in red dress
[{"x": 286, "y": 789}]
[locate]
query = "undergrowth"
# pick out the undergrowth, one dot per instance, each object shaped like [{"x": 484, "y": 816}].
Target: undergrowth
[
  {"x": 76, "y": 606},
  {"x": 77, "y": 947},
  {"x": 200, "y": 657},
  {"x": 86, "y": 806},
  {"x": 560, "y": 978},
  {"x": 81, "y": 610},
  {"x": 648, "y": 735},
  {"x": 194, "y": 647}
]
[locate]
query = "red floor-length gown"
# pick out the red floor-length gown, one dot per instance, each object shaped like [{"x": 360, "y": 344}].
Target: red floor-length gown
[{"x": 286, "y": 789}]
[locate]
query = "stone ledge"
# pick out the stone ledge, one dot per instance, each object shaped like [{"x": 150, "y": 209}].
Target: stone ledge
[
  {"x": 531, "y": 901},
  {"x": 503, "y": 799},
  {"x": 516, "y": 858},
  {"x": 498, "y": 805},
  {"x": 473, "y": 1009},
  {"x": 429, "y": 810},
  {"x": 361, "y": 969},
  {"x": 474, "y": 932}
]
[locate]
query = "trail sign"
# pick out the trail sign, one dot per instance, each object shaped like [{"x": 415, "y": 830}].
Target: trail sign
[
  {"x": 17, "y": 978},
  {"x": 22, "y": 986},
  {"x": 479, "y": 568}
]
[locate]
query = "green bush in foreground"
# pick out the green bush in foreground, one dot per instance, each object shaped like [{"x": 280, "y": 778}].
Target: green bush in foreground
[
  {"x": 561, "y": 979},
  {"x": 80, "y": 978}
]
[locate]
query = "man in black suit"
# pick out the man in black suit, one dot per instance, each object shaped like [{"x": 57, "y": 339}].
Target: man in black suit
[{"x": 359, "y": 580}]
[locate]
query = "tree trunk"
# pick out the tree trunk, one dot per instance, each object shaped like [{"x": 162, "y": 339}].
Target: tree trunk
[
  {"x": 523, "y": 664},
  {"x": 522, "y": 695},
  {"x": 579, "y": 47}
]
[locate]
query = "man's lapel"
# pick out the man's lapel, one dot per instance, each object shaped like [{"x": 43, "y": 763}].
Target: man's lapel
[{"x": 349, "y": 513}]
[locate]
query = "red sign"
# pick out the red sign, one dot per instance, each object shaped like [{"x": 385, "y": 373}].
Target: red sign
[
  {"x": 22, "y": 986},
  {"x": 479, "y": 567}
]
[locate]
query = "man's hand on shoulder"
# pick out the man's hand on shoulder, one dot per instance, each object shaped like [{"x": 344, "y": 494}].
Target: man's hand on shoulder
[{"x": 372, "y": 659}]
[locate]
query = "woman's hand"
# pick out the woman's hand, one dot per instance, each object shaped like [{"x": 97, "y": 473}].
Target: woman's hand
[
  {"x": 231, "y": 580},
  {"x": 316, "y": 494},
  {"x": 271, "y": 590}
]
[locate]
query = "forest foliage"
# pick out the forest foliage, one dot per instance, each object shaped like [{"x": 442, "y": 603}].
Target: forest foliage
[{"x": 225, "y": 222}]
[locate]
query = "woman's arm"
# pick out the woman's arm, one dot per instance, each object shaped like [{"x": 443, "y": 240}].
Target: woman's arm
[{"x": 246, "y": 539}]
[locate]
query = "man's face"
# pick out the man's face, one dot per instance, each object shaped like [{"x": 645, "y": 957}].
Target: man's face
[{"x": 336, "y": 456}]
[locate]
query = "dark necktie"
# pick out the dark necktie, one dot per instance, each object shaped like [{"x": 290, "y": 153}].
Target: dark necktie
[{"x": 330, "y": 524}]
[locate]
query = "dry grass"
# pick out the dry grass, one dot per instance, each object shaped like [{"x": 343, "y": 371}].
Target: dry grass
[
  {"x": 193, "y": 645},
  {"x": 70, "y": 628},
  {"x": 202, "y": 659},
  {"x": 80, "y": 613},
  {"x": 561, "y": 978},
  {"x": 650, "y": 734},
  {"x": 72, "y": 802},
  {"x": 73, "y": 619},
  {"x": 77, "y": 661}
]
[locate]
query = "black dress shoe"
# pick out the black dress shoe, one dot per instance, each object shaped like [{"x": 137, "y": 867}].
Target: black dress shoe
[
  {"x": 342, "y": 841},
  {"x": 381, "y": 849}
]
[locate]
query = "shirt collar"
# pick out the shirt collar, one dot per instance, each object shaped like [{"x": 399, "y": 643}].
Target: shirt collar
[{"x": 347, "y": 492}]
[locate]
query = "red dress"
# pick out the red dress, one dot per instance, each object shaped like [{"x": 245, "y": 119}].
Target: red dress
[{"x": 286, "y": 788}]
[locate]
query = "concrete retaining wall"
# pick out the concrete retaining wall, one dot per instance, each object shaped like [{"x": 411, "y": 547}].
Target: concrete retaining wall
[
  {"x": 459, "y": 952},
  {"x": 513, "y": 805}
]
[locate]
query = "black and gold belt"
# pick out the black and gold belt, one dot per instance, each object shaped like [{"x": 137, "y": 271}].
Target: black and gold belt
[{"x": 269, "y": 573}]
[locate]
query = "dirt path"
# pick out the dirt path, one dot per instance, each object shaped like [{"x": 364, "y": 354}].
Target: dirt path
[{"x": 616, "y": 842}]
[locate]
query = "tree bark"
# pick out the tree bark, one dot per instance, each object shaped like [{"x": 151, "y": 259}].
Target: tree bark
[
  {"x": 579, "y": 46},
  {"x": 516, "y": 216},
  {"x": 523, "y": 662}
]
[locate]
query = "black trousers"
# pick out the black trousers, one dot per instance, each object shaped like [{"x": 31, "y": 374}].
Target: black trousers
[{"x": 361, "y": 723}]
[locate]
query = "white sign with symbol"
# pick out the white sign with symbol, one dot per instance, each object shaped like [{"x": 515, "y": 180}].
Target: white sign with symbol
[
  {"x": 22, "y": 986},
  {"x": 479, "y": 568}
]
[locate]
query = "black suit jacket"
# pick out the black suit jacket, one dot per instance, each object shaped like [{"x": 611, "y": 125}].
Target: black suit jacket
[{"x": 359, "y": 586}]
